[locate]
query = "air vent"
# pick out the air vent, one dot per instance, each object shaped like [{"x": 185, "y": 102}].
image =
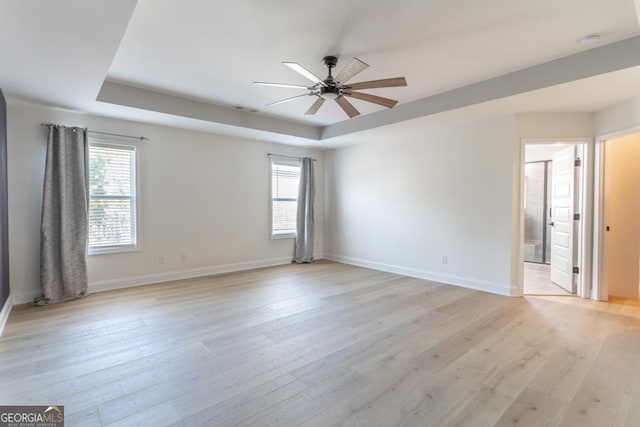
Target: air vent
[{"x": 245, "y": 109}]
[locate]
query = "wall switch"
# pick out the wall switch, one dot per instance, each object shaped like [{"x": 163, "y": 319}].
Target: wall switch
[
  {"x": 445, "y": 259},
  {"x": 183, "y": 258},
  {"x": 161, "y": 260}
]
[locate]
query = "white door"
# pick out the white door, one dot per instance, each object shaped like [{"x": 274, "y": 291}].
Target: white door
[{"x": 562, "y": 217}]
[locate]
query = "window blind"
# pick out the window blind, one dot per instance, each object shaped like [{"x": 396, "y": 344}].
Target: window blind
[
  {"x": 285, "y": 179},
  {"x": 112, "y": 196}
]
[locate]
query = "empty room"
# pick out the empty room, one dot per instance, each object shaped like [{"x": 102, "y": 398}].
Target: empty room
[{"x": 355, "y": 213}]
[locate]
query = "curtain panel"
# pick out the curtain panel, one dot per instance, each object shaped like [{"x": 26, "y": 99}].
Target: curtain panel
[
  {"x": 305, "y": 217},
  {"x": 64, "y": 225}
]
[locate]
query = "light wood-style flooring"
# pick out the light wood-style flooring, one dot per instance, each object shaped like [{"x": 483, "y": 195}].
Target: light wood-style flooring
[
  {"x": 322, "y": 345},
  {"x": 537, "y": 280}
]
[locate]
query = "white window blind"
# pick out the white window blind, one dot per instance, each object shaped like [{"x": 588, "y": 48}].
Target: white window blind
[
  {"x": 112, "y": 197},
  {"x": 285, "y": 179}
]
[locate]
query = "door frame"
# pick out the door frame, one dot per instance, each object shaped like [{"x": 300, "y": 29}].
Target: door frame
[
  {"x": 585, "y": 207},
  {"x": 600, "y": 289}
]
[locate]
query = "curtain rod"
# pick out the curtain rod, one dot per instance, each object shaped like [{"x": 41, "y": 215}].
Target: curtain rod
[
  {"x": 288, "y": 157},
  {"x": 141, "y": 138}
]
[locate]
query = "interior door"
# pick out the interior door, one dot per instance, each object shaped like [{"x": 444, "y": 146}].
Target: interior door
[{"x": 562, "y": 202}]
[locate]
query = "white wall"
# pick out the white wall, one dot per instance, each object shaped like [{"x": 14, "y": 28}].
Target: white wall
[
  {"x": 554, "y": 126},
  {"x": 619, "y": 117},
  {"x": 402, "y": 203},
  {"x": 622, "y": 214},
  {"x": 203, "y": 195}
]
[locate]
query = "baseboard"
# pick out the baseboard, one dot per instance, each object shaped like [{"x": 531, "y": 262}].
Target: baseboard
[
  {"x": 109, "y": 285},
  {"x": 479, "y": 285},
  {"x": 4, "y": 314},
  {"x": 129, "y": 282}
]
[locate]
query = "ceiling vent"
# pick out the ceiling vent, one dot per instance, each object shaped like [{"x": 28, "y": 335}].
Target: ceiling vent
[{"x": 245, "y": 109}]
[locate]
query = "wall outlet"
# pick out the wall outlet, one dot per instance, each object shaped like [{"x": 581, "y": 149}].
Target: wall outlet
[
  {"x": 161, "y": 260},
  {"x": 445, "y": 259},
  {"x": 183, "y": 257}
]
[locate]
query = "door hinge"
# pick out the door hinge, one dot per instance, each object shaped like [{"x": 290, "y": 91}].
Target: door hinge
[
  {"x": 576, "y": 270},
  {"x": 576, "y": 217},
  {"x": 578, "y": 162}
]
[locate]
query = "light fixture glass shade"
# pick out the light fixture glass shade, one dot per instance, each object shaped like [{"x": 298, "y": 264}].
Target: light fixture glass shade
[{"x": 329, "y": 95}]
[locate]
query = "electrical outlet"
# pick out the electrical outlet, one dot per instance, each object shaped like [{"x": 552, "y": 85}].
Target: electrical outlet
[
  {"x": 183, "y": 257},
  {"x": 161, "y": 260},
  {"x": 445, "y": 259}
]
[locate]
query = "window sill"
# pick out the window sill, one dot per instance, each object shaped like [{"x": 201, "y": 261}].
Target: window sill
[
  {"x": 114, "y": 250},
  {"x": 283, "y": 236}
]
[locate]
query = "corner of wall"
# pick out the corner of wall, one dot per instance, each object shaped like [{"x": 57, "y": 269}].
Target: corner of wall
[{"x": 448, "y": 279}]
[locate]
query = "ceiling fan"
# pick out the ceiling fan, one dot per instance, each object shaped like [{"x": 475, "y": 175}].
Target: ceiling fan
[{"x": 336, "y": 88}]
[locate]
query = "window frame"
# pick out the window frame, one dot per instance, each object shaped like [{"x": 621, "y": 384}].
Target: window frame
[
  {"x": 98, "y": 142},
  {"x": 282, "y": 161}
]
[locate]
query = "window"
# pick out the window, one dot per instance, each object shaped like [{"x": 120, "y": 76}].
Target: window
[
  {"x": 112, "y": 197},
  {"x": 285, "y": 179}
]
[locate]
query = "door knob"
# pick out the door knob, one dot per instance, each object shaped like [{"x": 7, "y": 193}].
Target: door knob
[{"x": 552, "y": 223}]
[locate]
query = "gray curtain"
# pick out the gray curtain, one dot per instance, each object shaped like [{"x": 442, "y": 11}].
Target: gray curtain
[
  {"x": 64, "y": 227},
  {"x": 305, "y": 220}
]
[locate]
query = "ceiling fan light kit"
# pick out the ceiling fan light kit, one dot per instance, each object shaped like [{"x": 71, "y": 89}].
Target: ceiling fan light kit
[{"x": 336, "y": 88}]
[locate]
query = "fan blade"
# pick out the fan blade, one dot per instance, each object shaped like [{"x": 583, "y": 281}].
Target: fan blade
[
  {"x": 315, "y": 107},
  {"x": 303, "y": 71},
  {"x": 347, "y": 107},
  {"x": 385, "y": 102},
  {"x": 372, "y": 84},
  {"x": 288, "y": 99},
  {"x": 350, "y": 70},
  {"x": 280, "y": 85}
]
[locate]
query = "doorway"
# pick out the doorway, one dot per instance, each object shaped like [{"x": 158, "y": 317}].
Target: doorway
[
  {"x": 552, "y": 201},
  {"x": 621, "y": 217}
]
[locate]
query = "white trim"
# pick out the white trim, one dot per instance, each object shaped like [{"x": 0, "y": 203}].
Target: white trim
[
  {"x": 4, "y": 313},
  {"x": 276, "y": 236},
  {"x": 25, "y": 297},
  {"x": 464, "y": 282},
  {"x": 600, "y": 290},
  {"x": 149, "y": 279},
  {"x": 129, "y": 282},
  {"x": 567, "y": 141},
  {"x": 112, "y": 250},
  {"x": 618, "y": 134}
]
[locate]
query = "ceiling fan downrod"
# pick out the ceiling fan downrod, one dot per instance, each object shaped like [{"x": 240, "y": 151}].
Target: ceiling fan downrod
[{"x": 331, "y": 91}]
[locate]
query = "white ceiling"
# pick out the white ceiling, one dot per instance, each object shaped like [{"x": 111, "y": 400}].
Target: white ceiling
[
  {"x": 213, "y": 51},
  {"x": 581, "y": 96},
  {"x": 60, "y": 53}
]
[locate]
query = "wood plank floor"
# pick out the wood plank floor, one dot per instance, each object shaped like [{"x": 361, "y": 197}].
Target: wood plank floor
[{"x": 325, "y": 344}]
